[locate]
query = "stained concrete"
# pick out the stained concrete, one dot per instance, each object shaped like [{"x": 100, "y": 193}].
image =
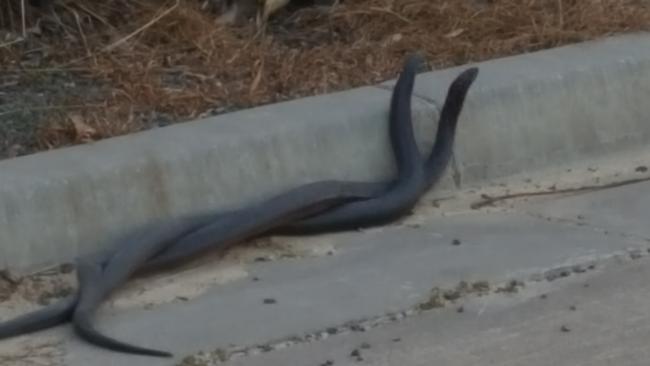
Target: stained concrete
[{"x": 606, "y": 323}]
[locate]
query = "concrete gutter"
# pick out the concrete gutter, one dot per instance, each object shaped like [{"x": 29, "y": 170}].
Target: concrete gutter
[{"x": 524, "y": 113}]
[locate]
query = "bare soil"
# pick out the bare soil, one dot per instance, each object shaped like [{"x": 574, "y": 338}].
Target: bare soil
[{"x": 81, "y": 71}]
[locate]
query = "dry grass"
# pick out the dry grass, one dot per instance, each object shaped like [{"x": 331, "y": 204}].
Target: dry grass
[{"x": 171, "y": 59}]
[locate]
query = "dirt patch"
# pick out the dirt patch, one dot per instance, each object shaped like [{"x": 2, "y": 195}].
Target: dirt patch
[
  {"x": 32, "y": 352},
  {"x": 187, "y": 280},
  {"x": 439, "y": 297},
  {"x": 192, "y": 279},
  {"x": 89, "y": 70},
  {"x": 37, "y": 289}
]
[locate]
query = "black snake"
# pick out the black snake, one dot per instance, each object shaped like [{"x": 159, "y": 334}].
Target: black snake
[{"x": 313, "y": 208}]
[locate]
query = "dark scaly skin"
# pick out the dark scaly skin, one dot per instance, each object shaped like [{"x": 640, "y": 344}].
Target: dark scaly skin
[
  {"x": 442, "y": 150},
  {"x": 89, "y": 274},
  {"x": 60, "y": 312},
  {"x": 409, "y": 165},
  {"x": 92, "y": 273},
  {"x": 414, "y": 178},
  {"x": 249, "y": 222},
  {"x": 230, "y": 229},
  {"x": 47, "y": 317}
]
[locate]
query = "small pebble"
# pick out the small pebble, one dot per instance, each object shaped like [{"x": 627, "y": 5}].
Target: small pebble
[
  {"x": 455, "y": 242},
  {"x": 565, "y": 329},
  {"x": 266, "y": 348},
  {"x": 357, "y": 328},
  {"x": 356, "y": 354},
  {"x": 270, "y": 301}
]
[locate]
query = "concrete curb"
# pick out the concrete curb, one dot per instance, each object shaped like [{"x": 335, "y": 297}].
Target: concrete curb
[{"x": 524, "y": 113}]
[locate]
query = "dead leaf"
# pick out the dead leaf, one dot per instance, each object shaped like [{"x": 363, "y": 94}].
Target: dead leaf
[
  {"x": 455, "y": 33},
  {"x": 258, "y": 76},
  {"x": 271, "y": 6},
  {"x": 82, "y": 131}
]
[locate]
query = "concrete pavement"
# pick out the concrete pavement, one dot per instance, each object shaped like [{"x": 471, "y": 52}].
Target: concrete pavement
[
  {"x": 596, "y": 319},
  {"x": 321, "y": 298}
]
